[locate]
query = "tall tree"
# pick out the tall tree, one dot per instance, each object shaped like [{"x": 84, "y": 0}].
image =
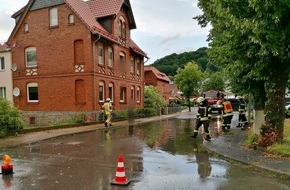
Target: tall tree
[
  {"x": 251, "y": 36},
  {"x": 188, "y": 80}
]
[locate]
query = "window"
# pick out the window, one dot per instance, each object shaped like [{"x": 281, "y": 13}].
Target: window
[
  {"x": 101, "y": 54},
  {"x": 111, "y": 91},
  {"x": 30, "y": 57},
  {"x": 132, "y": 70},
  {"x": 53, "y": 19},
  {"x": 71, "y": 19},
  {"x": 138, "y": 94},
  {"x": 138, "y": 67},
  {"x": 32, "y": 92},
  {"x": 122, "y": 94},
  {"x": 122, "y": 62},
  {"x": 122, "y": 27},
  {"x": 101, "y": 91},
  {"x": 2, "y": 92},
  {"x": 25, "y": 26},
  {"x": 132, "y": 93},
  {"x": 2, "y": 63},
  {"x": 110, "y": 57}
]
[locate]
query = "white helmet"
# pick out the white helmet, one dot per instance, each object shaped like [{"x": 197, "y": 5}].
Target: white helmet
[
  {"x": 200, "y": 99},
  {"x": 108, "y": 99}
]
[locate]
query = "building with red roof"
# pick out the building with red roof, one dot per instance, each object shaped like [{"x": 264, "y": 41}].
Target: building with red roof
[
  {"x": 158, "y": 79},
  {"x": 71, "y": 55}
]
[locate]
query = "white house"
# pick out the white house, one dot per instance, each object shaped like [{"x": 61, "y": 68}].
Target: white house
[{"x": 6, "y": 86}]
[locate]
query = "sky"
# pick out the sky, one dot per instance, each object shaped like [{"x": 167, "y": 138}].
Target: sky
[{"x": 163, "y": 26}]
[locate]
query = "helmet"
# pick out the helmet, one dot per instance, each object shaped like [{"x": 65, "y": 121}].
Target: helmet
[
  {"x": 108, "y": 99},
  {"x": 200, "y": 99}
]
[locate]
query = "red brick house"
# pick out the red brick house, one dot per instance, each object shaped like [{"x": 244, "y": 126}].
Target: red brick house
[
  {"x": 71, "y": 55},
  {"x": 158, "y": 79}
]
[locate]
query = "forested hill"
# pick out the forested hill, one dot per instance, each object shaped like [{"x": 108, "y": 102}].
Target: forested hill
[{"x": 170, "y": 63}]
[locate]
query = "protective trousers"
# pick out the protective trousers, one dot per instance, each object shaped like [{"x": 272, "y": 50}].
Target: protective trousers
[{"x": 205, "y": 126}]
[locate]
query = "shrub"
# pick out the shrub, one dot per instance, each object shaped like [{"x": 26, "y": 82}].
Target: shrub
[
  {"x": 146, "y": 112},
  {"x": 10, "y": 119}
]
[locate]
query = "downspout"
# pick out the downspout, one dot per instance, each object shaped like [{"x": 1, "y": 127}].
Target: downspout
[{"x": 94, "y": 77}]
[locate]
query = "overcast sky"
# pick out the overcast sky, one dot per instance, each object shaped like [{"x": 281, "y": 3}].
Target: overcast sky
[{"x": 163, "y": 26}]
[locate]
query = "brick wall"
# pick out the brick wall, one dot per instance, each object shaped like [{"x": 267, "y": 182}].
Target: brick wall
[{"x": 55, "y": 71}]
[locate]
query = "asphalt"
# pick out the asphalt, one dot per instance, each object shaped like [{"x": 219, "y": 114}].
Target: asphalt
[{"x": 230, "y": 146}]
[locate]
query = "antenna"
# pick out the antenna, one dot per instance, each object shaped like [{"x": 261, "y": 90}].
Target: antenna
[
  {"x": 16, "y": 91},
  {"x": 14, "y": 67}
]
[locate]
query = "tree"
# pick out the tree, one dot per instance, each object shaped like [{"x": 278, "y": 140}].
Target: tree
[
  {"x": 251, "y": 35},
  {"x": 10, "y": 119},
  {"x": 152, "y": 98},
  {"x": 188, "y": 80},
  {"x": 215, "y": 81}
]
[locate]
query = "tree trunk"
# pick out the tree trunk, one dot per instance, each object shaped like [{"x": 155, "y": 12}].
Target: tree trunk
[
  {"x": 259, "y": 119},
  {"x": 189, "y": 104},
  {"x": 275, "y": 106}
]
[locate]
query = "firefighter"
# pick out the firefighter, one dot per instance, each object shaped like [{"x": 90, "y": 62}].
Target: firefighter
[
  {"x": 227, "y": 114},
  {"x": 242, "y": 114},
  {"x": 108, "y": 109},
  {"x": 203, "y": 116}
]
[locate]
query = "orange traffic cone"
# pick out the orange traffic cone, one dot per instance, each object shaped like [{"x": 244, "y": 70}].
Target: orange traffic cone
[{"x": 120, "y": 178}]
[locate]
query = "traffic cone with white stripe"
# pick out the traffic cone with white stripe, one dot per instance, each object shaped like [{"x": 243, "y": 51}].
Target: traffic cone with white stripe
[{"x": 120, "y": 178}]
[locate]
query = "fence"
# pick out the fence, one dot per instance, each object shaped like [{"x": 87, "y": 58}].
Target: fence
[{"x": 44, "y": 119}]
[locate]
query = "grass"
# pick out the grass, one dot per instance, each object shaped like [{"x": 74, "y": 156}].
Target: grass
[{"x": 282, "y": 148}]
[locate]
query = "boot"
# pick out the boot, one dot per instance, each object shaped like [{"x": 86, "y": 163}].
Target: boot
[{"x": 207, "y": 138}]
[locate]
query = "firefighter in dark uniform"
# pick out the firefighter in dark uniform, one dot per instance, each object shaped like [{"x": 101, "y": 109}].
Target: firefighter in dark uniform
[
  {"x": 242, "y": 114},
  {"x": 203, "y": 116},
  {"x": 227, "y": 114}
]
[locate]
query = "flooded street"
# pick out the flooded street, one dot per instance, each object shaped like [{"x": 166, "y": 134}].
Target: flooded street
[{"x": 157, "y": 155}]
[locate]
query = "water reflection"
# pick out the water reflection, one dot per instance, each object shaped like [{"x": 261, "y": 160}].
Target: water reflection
[{"x": 157, "y": 155}]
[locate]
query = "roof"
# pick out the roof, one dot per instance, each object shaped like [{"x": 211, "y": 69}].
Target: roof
[
  {"x": 4, "y": 47},
  {"x": 159, "y": 75},
  {"x": 87, "y": 11}
]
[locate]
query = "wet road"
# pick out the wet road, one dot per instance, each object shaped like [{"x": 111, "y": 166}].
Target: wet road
[{"x": 157, "y": 155}]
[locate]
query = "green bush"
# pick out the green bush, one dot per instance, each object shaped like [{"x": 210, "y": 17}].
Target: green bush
[
  {"x": 146, "y": 112},
  {"x": 10, "y": 119}
]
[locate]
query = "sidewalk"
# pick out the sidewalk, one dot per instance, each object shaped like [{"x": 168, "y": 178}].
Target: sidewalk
[
  {"x": 231, "y": 147},
  {"x": 228, "y": 146}
]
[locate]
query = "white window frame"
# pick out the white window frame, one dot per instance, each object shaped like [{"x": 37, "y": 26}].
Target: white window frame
[
  {"x": 122, "y": 94},
  {"x": 132, "y": 93},
  {"x": 71, "y": 19},
  {"x": 138, "y": 94},
  {"x": 29, "y": 86},
  {"x": 110, "y": 57},
  {"x": 100, "y": 53},
  {"x": 3, "y": 92},
  {"x": 2, "y": 63},
  {"x": 26, "y": 27},
  {"x": 138, "y": 67},
  {"x": 53, "y": 17},
  {"x": 111, "y": 91},
  {"x": 101, "y": 91},
  {"x": 132, "y": 68},
  {"x": 30, "y": 51}
]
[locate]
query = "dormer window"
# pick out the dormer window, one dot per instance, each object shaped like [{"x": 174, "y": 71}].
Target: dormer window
[
  {"x": 122, "y": 28},
  {"x": 53, "y": 18},
  {"x": 101, "y": 53}
]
